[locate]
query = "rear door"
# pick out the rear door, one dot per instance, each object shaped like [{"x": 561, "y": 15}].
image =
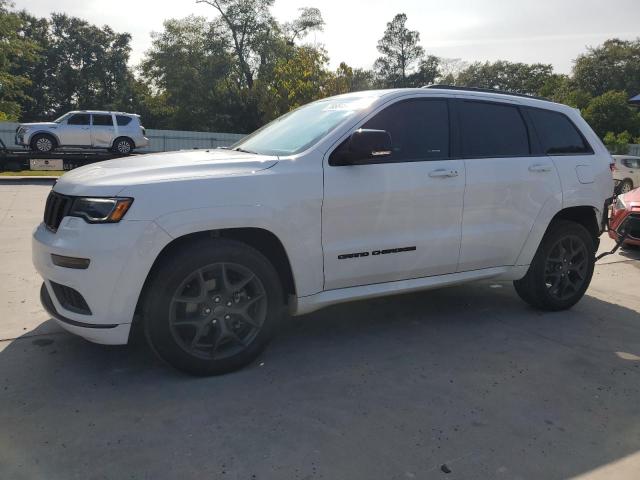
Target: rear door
[
  {"x": 396, "y": 217},
  {"x": 508, "y": 183},
  {"x": 102, "y": 130}
]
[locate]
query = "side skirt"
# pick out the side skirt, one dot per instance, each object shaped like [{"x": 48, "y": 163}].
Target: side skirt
[{"x": 311, "y": 303}]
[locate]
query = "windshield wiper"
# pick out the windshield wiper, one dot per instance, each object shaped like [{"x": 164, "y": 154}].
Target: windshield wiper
[{"x": 239, "y": 149}]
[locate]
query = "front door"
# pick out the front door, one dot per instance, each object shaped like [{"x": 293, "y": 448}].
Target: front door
[
  {"x": 396, "y": 217},
  {"x": 102, "y": 130},
  {"x": 76, "y": 131}
]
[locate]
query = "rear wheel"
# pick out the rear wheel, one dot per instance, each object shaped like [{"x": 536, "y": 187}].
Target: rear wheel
[
  {"x": 626, "y": 186},
  {"x": 43, "y": 143},
  {"x": 562, "y": 268},
  {"x": 122, "y": 145},
  {"x": 213, "y": 307}
]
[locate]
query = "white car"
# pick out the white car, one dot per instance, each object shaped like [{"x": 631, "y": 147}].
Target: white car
[
  {"x": 117, "y": 131},
  {"x": 626, "y": 172},
  {"x": 347, "y": 198}
]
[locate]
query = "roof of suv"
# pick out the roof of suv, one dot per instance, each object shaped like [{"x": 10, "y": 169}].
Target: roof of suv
[
  {"x": 479, "y": 93},
  {"x": 105, "y": 111}
]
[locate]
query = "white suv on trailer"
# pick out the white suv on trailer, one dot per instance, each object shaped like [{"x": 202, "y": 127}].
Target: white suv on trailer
[
  {"x": 117, "y": 131},
  {"x": 347, "y": 198}
]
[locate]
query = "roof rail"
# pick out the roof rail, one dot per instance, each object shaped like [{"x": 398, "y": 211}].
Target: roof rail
[{"x": 485, "y": 90}]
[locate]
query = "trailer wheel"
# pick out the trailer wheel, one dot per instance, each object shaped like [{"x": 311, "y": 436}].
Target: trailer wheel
[{"x": 43, "y": 143}]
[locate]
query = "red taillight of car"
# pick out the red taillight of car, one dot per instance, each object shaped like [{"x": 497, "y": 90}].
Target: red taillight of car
[{"x": 613, "y": 167}]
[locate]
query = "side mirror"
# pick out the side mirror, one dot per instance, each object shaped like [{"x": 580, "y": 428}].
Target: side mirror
[{"x": 362, "y": 146}]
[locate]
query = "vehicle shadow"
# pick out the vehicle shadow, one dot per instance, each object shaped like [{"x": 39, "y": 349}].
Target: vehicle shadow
[
  {"x": 631, "y": 253},
  {"x": 396, "y": 387},
  {"x": 27, "y": 181}
]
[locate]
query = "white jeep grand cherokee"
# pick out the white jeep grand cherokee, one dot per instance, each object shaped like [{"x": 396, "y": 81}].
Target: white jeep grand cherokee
[{"x": 347, "y": 198}]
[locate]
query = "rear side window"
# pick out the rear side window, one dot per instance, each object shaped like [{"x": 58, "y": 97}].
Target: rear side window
[
  {"x": 102, "y": 120},
  {"x": 419, "y": 129},
  {"x": 631, "y": 162},
  {"x": 492, "y": 130},
  {"x": 123, "y": 120},
  {"x": 79, "y": 119},
  {"x": 557, "y": 134}
]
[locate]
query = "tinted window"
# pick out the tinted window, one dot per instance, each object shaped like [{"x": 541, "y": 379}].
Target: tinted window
[
  {"x": 557, "y": 134},
  {"x": 102, "y": 120},
  {"x": 79, "y": 119},
  {"x": 419, "y": 129},
  {"x": 492, "y": 130},
  {"x": 123, "y": 120}
]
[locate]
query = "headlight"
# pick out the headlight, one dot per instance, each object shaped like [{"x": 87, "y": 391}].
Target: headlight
[{"x": 100, "y": 210}]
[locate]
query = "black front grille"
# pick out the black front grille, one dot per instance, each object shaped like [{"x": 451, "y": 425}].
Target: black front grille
[
  {"x": 70, "y": 299},
  {"x": 55, "y": 210}
]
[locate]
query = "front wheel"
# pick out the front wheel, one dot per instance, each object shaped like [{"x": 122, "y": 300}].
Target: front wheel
[
  {"x": 561, "y": 269},
  {"x": 213, "y": 307},
  {"x": 43, "y": 143}
]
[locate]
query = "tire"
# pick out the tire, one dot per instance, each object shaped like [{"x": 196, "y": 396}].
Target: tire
[
  {"x": 123, "y": 145},
  {"x": 552, "y": 284},
  {"x": 203, "y": 331},
  {"x": 43, "y": 143},
  {"x": 626, "y": 186}
]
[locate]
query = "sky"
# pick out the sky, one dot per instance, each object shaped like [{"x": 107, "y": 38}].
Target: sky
[{"x": 547, "y": 31}]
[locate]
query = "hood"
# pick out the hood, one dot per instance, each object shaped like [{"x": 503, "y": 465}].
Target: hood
[
  {"x": 39, "y": 124},
  {"x": 110, "y": 177},
  {"x": 632, "y": 198}
]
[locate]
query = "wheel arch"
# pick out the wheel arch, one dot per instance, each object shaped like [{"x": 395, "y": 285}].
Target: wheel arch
[
  {"x": 585, "y": 215},
  {"x": 127, "y": 137},
  {"x": 45, "y": 132},
  {"x": 265, "y": 241}
]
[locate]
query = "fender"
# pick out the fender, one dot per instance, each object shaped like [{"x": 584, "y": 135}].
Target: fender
[
  {"x": 304, "y": 251},
  {"x": 37, "y": 132},
  {"x": 549, "y": 210}
]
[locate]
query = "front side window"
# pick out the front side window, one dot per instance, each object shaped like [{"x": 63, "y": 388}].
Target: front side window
[
  {"x": 492, "y": 130},
  {"x": 300, "y": 129},
  {"x": 79, "y": 119},
  {"x": 557, "y": 134},
  {"x": 419, "y": 129},
  {"x": 102, "y": 120}
]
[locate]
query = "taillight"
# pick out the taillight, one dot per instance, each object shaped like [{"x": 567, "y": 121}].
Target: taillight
[
  {"x": 144, "y": 131},
  {"x": 613, "y": 166}
]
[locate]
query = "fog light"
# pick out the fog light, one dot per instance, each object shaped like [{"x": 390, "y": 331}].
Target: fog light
[{"x": 70, "y": 262}]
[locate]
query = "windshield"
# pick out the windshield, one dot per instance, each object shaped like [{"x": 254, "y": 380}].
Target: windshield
[
  {"x": 298, "y": 130},
  {"x": 62, "y": 118}
]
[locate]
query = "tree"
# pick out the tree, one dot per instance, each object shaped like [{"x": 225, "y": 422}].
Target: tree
[
  {"x": 14, "y": 50},
  {"x": 615, "y": 65},
  {"x": 310, "y": 19},
  {"x": 506, "y": 76},
  {"x": 189, "y": 67},
  {"x": 298, "y": 78},
  {"x": 400, "y": 52},
  {"x": 618, "y": 144},
  {"x": 610, "y": 112},
  {"x": 427, "y": 73}
]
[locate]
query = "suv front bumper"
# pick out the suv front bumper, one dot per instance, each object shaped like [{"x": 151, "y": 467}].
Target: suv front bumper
[{"x": 120, "y": 255}]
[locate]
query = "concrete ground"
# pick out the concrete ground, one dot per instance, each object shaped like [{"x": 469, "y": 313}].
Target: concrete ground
[{"x": 462, "y": 383}]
